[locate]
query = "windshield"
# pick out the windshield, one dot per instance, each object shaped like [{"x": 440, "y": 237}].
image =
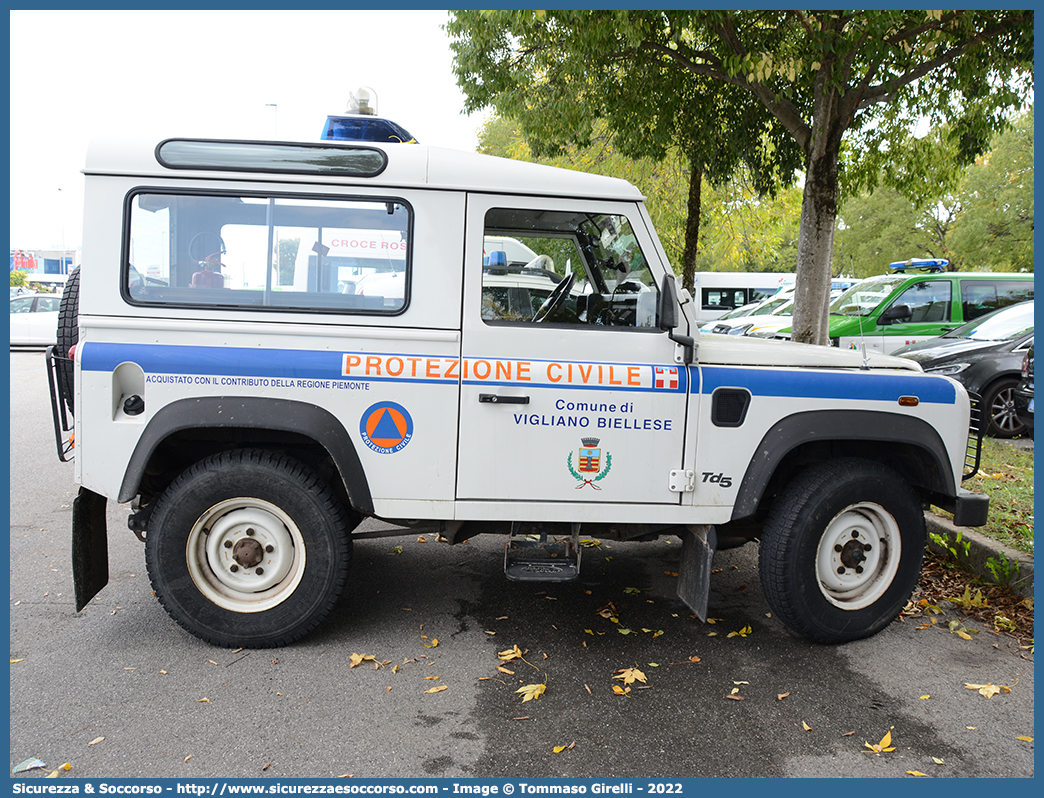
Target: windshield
[
  {"x": 1004, "y": 325},
  {"x": 774, "y": 305},
  {"x": 863, "y": 297}
]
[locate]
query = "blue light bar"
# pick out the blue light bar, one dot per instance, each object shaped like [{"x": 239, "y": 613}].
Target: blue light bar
[
  {"x": 920, "y": 265},
  {"x": 365, "y": 128}
]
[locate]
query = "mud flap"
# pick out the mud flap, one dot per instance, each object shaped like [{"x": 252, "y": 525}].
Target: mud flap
[
  {"x": 698, "y": 544},
  {"x": 90, "y": 547}
]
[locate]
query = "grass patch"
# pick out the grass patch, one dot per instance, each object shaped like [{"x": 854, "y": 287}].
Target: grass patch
[{"x": 1006, "y": 476}]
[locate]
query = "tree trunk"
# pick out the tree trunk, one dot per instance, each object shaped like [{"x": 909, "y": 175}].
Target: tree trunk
[
  {"x": 692, "y": 230},
  {"x": 811, "y": 322}
]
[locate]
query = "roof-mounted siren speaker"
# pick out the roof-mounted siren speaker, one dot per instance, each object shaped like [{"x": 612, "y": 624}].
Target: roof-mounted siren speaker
[{"x": 363, "y": 101}]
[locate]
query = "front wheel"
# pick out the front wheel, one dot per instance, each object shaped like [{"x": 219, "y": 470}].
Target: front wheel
[
  {"x": 841, "y": 550},
  {"x": 248, "y": 548},
  {"x": 1000, "y": 404}
]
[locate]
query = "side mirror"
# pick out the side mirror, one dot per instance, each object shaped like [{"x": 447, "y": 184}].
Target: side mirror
[
  {"x": 667, "y": 313},
  {"x": 895, "y": 313}
]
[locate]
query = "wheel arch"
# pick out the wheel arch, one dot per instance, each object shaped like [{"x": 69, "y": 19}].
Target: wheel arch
[
  {"x": 233, "y": 420},
  {"x": 909, "y": 445}
]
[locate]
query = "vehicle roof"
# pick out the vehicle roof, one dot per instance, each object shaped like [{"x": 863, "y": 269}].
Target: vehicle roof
[{"x": 409, "y": 165}]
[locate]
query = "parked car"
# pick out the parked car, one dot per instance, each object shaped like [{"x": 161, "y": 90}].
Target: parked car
[
  {"x": 34, "y": 319},
  {"x": 890, "y": 311},
  {"x": 1023, "y": 392},
  {"x": 781, "y": 303},
  {"x": 986, "y": 356}
]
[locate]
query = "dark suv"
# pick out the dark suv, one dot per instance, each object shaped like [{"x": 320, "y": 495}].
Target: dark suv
[{"x": 1023, "y": 393}]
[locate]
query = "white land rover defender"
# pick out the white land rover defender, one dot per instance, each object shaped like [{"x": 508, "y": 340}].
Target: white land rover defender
[{"x": 268, "y": 342}]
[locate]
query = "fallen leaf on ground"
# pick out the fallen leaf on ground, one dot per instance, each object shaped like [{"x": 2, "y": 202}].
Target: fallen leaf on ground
[
  {"x": 560, "y": 748},
  {"x": 438, "y": 689},
  {"x": 746, "y": 630},
  {"x": 805, "y": 726},
  {"x": 1024, "y": 738},
  {"x": 359, "y": 659},
  {"x": 882, "y": 747},
  {"x": 95, "y": 741},
  {"x": 988, "y": 690},
  {"x": 434, "y": 642},
  {"x": 531, "y": 691},
  {"x": 509, "y": 654},
  {"x": 781, "y": 696},
  {"x": 630, "y": 675},
  {"x": 917, "y": 773}
]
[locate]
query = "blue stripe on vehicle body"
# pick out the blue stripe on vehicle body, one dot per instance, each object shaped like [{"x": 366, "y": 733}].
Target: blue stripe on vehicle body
[
  {"x": 226, "y": 362},
  {"x": 805, "y": 384}
]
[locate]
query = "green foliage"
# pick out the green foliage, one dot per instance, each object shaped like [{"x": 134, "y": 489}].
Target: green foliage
[
  {"x": 749, "y": 233},
  {"x": 1004, "y": 570},
  {"x": 879, "y": 228},
  {"x": 995, "y": 227},
  {"x": 740, "y": 231},
  {"x": 17, "y": 278}
]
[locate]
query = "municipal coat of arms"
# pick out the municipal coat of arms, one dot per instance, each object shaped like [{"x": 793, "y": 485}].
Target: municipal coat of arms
[{"x": 589, "y": 462}]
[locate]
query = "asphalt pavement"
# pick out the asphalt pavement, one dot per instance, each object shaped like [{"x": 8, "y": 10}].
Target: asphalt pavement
[{"x": 119, "y": 690}]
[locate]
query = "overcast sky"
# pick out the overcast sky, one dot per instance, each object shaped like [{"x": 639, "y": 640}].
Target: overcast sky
[{"x": 207, "y": 73}]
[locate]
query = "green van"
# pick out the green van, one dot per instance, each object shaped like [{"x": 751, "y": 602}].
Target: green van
[{"x": 893, "y": 310}]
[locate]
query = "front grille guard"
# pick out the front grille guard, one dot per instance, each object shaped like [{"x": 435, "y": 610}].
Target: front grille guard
[{"x": 976, "y": 428}]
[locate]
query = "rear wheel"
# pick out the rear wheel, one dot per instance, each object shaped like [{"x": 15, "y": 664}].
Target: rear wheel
[
  {"x": 248, "y": 548},
  {"x": 842, "y": 549}
]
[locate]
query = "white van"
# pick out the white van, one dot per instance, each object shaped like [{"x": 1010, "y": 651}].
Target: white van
[
  {"x": 250, "y": 428},
  {"x": 720, "y": 292}
]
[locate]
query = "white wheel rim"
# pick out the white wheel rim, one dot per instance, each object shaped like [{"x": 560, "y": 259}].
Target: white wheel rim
[
  {"x": 858, "y": 556},
  {"x": 245, "y": 555}
]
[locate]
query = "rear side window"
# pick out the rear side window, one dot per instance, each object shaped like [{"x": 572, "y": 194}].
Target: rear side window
[
  {"x": 260, "y": 252},
  {"x": 982, "y": 296}
]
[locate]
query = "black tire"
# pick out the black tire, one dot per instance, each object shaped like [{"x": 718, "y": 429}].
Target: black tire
[
  {"x": 829, "y": 513},
  {"x": 67, "y": 335},
  {"x": 215, "y": 521},
  {"x": 999, "y": 402}
]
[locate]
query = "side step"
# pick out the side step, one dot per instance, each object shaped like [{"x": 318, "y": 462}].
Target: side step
[{"x": 541, "y": 560}]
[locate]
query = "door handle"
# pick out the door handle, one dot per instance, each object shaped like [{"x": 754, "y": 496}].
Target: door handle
[{"x": 492, "y": 398}]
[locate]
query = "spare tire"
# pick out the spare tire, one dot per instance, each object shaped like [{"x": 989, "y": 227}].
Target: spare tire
[{"x": 68, "y": 335}]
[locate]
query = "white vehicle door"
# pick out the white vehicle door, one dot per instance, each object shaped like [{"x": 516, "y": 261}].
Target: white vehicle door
[{"x": 569, "y": 391}]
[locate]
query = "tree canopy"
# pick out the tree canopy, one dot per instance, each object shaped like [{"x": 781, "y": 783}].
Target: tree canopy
[{"x": 819, "y": 75}]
